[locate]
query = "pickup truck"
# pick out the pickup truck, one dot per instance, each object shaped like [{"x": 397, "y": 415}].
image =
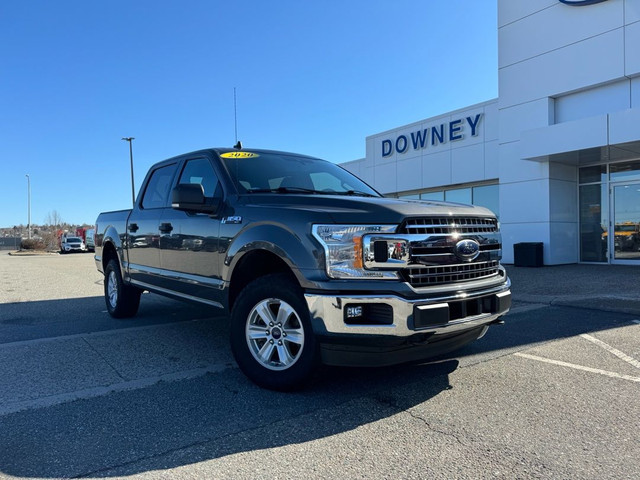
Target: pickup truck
[{"x": 312, "y": 265}]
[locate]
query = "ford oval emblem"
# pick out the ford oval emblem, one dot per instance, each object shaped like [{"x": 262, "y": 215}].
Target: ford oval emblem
[
  {"x": 580, "y": 3},
  {"x": 467, "y": 250}
]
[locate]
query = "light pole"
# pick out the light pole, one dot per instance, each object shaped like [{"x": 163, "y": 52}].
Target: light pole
[
  {"x": 133, "y": 194},
  {"x": 29, "y": 205}
]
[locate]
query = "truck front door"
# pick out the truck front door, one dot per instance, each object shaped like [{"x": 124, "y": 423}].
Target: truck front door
[{"x": 189, "y": 243}]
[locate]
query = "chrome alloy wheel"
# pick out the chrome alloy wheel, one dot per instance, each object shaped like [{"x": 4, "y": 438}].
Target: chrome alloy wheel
[
  {"x": 112, "y": 289},
  {"x": 274, "y": 334}
]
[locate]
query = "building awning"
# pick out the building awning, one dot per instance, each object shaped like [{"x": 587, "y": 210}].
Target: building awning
[{"x": 604, "y": 138}]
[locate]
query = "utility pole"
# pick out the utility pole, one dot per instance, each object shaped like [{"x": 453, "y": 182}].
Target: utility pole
[
  {"x": 133, "y": 193},
  {"x": 29, "y": 205}
]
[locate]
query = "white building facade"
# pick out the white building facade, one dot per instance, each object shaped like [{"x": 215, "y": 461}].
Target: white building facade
[{"x": 557, "y": 155}]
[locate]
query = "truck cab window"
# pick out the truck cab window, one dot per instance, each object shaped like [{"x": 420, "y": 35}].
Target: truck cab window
[
  {"x": 200, "y": 172},
  {"x": 157, "y": 192}
]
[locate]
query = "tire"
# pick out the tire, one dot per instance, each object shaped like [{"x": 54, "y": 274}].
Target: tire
[
  {"x": 271, "y": 335},
  {"x": 122, "y": 300}
]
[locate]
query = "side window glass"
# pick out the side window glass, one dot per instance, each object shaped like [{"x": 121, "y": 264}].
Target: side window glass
[
  {"x": 200, "y": 172},
  {"x": 157, "y": 192}
]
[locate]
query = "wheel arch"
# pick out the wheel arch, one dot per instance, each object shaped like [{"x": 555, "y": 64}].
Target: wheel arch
[
  {"x": 267, "y": 248},
  {"x": 255, "y": 264},
  {"x": 112, "y": 249}
]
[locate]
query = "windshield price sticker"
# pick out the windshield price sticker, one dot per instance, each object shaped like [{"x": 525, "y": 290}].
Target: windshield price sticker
[{"x": 239, "y": 155}]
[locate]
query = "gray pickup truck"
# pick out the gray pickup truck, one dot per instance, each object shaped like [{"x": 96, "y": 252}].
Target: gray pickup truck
[{"x": 313, "y": 265}]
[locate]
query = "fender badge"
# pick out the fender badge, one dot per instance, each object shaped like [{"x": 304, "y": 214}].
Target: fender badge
[{"x": 232, "y": 220}]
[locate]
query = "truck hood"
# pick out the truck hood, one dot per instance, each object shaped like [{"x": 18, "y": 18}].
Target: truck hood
[{"x": 363, "y": 210}]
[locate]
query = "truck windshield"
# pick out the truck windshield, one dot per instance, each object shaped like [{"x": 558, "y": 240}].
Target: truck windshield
[{"x": 285, "y": 173}]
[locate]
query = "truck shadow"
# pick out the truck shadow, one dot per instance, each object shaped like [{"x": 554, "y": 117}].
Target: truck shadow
[
  {"x": 181, "y": 423},
  {"x": 51, "y": 318},
  {"x": 173, "y": 424}
]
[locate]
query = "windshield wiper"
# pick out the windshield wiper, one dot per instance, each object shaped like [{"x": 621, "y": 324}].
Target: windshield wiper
[
  {"x": 283, "y": 190},
  {"x": 358, "y": 193}
]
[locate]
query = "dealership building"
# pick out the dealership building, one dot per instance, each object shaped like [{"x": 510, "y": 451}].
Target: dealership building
[{"x": 557, "y": 155}]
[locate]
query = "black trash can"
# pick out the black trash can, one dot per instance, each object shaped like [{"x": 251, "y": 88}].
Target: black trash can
[{"x": 527, "y": 254}]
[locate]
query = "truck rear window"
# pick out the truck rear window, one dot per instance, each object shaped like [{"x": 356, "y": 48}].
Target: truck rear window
[{"x": 156, "y": 194}]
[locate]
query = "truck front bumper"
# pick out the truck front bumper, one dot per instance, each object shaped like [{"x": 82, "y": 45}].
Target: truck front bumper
[{"x": 377, "y": 330}]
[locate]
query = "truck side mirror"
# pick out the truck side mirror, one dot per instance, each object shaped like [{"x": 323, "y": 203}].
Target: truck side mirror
[{"x": 190, "y": 197}]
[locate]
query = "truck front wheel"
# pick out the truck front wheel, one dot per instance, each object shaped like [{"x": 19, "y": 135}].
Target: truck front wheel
[
  {"x": 122, "y": 300},
  {"x": 271, "y": 335}
]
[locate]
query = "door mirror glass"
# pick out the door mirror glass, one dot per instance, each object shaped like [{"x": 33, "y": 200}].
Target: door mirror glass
[{"x": 190, "y": 197}]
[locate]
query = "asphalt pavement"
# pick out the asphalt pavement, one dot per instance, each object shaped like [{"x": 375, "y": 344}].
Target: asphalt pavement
[
  {"x": 550, "y": 394},
  {"x": 610, "y": 288}
]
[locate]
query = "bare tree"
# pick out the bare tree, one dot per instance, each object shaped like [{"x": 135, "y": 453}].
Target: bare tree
[
  {"x": 53, "y": 219},
  {"x": 55, "y": 222}
]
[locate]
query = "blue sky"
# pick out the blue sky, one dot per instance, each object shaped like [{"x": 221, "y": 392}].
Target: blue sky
[{"x": 313, "y": 77}]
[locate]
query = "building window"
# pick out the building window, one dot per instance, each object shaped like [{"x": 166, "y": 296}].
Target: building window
[
  {"x": 487, "y": 196},
  {"x": 436, "y": 196},
  {"x": 458, "y": 195},
  {"x": 625, "y": 172},
  {"x": 480, "y": 195},
  {"x": 594, "y": 213}
]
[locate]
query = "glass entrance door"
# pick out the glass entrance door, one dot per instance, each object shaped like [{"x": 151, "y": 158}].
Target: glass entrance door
[{"x": 625, "y": 223}]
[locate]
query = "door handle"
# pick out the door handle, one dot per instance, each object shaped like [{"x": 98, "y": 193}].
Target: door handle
[
  {"x": 165, "y": 228},
  {"x": 133, "y": 227}
]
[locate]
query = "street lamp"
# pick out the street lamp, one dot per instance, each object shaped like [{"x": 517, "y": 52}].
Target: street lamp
[
  {"x": 29, "y": 205},
  {"x": 133, "y": 195}
]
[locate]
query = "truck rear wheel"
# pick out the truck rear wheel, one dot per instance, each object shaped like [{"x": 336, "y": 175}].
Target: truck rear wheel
[
  {"x": 122, "y": 300},
  {"x": 271, "y": 335}
]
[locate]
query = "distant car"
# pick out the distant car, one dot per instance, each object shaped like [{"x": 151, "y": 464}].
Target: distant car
[
  {"x": 72, "y": 244},
  {"x": 89, "y": 240}
]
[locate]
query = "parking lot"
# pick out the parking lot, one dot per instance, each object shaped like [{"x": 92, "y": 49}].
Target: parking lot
[{"x": 552, "y": 393}]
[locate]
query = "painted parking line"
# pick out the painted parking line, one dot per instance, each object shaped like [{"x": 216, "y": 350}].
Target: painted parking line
[
  {"x": 578, "y": 367},
  {"x": 614, "y": 351}
]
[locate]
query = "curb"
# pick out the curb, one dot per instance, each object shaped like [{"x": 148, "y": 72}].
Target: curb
[{"x": 19, "y": 253}]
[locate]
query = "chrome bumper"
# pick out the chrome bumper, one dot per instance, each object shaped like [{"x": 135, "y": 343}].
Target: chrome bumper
[{"x": 329, "y": 309}]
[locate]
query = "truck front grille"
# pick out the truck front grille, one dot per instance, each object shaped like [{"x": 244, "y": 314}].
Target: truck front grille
[
  {"x": 433, "y": 257},
  {"x": 448, "y": 225},
  {"x": 423, "y": 276}
]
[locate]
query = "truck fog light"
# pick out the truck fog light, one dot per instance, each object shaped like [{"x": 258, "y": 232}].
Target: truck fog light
[{"x": 354, "y": 311}]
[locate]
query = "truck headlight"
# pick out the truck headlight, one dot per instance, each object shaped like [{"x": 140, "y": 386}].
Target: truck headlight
[{"x": 343, "y": 250}]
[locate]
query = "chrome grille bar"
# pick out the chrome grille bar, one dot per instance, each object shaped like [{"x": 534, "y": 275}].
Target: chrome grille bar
[
  {"x": 440, "y": 225},
  {"x": 422, "y": 276}
]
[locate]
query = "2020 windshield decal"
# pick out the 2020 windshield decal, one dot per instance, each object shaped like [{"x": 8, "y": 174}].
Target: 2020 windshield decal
[{"x": 239, "y": 155}]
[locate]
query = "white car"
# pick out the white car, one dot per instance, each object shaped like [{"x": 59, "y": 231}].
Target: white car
[{"x": 72, "y": 244}]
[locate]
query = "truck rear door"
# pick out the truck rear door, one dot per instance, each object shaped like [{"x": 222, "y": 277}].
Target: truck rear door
[{"x": 144, "y": 226}]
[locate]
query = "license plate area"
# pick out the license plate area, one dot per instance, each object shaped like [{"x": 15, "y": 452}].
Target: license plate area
[{"x": 432, "y": 315}]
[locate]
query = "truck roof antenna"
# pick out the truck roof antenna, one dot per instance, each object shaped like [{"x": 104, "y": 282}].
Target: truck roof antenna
[
  {"x": 238, "y": 146},
  {"x": 235, "y": 117}
]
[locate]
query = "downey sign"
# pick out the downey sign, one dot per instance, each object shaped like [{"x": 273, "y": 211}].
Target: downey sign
[{"x": 434, "y": 135}]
